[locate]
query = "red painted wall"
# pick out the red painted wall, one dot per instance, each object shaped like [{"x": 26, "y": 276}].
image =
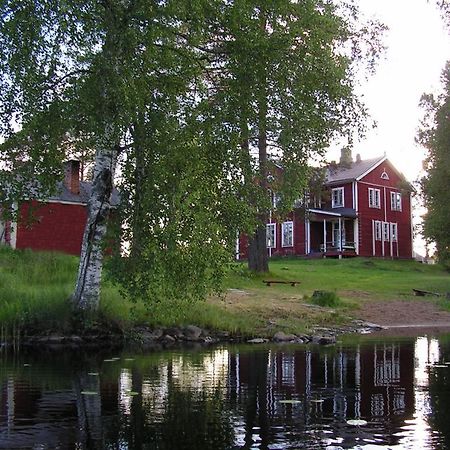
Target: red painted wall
[
  {"x": 384, "y": 214},
  {"x": 56, "y": 226}
]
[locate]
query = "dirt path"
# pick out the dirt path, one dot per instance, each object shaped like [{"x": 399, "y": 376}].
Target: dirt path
[{"x": 406, "y": 316}]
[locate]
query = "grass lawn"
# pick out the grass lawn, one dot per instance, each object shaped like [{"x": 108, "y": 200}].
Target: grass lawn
[{"x": 35, "y": 287}]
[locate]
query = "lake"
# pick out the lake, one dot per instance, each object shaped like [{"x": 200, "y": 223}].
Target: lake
[{"x": 366, "y": 393}]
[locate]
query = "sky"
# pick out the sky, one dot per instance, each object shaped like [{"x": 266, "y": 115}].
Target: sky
[{"x": 418, "y": 45}]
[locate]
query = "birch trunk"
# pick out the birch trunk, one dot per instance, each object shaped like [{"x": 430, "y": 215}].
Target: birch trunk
[{"x": 87, "y": 289}]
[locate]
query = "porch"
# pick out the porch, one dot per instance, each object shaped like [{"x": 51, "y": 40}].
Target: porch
[{"x": 332, "y": 234}]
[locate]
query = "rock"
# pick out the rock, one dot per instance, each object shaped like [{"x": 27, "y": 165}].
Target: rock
[
  {"x": 75, "y": 339},
  {"x": 280, "y": 336},
  {"x": 167, "y": 339},
  {"x": 192, "y": 333},
  {"x": 324, "y": 340},
  {"x": 257, "y": 341},
  {"x": 175, "y": 332}
]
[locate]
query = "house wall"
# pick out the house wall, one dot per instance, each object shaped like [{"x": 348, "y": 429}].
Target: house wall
[
  {"x": 51, "y": 226},
  {"x": 348, "y": 195},
  {"x": 366, "y": 215},
  {"x": 299, "y": 247}
]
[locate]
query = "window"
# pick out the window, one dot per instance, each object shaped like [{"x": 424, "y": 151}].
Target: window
[
  {"x": 337, "y": 197},
  {"x": 271, "y": 235},
  {"x": 385, "y": 231},
  {"x": 374, "y": 198},
  {"x": 384, "y": 175},
  {"x": 394, "y": 232},
  {"x": 377, "y": 230},
  {"x": 276, "y": 199},
  {"x": 287, "y": 234},
  {"x": 396, "y": 201}
]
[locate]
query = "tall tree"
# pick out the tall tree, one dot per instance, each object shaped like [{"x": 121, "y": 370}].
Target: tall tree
[
  {"x": 287, "y": 76},
  {"x": 434, "y": 134},
  {"x": 121, "y": 74}
]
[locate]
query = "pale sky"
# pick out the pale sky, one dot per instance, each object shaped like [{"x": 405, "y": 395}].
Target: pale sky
[{"x": 418, "y": 46}]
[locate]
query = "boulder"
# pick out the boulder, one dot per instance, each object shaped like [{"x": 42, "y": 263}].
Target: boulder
[
  {"x": 257, "y": 341},
  {"x": 280, "y": 336},
  {"x": 324, "y": 340},
  {"x": 192, "y": 333}
]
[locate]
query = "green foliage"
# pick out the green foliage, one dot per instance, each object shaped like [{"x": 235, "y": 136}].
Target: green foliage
[
  {"x": 435, "y": 136},
  {"x": 179, "y": 92},
  {"x": 325, "y": 298}
]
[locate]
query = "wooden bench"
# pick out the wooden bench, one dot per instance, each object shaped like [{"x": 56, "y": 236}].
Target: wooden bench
[{"x": 292, "y": 283}]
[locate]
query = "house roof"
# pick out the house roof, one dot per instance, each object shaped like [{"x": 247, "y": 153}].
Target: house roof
[
  {"x": 338, "y": 212},
  {"x": 357, "y": 169},
  {"x": 63, "y": 194}
]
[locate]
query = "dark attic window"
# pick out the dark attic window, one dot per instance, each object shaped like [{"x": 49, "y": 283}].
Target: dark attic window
[{"x": 384, "y": 175}]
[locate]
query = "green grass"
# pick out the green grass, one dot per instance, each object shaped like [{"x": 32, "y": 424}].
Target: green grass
[{"x": 35, "y": 288}]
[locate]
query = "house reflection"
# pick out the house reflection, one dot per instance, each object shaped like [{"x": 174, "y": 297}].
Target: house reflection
[{"x": 234, "y": 398}]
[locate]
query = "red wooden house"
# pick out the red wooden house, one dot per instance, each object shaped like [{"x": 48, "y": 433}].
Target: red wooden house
[
  {"x": 366, "y": 211},
  {"x": 57, "y": 223}
]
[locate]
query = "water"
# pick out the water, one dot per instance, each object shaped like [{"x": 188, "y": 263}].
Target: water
[{"x": 231, "y": 398}]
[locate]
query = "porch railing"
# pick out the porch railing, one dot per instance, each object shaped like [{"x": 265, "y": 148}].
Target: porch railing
[{"x": 334, "y": 247}]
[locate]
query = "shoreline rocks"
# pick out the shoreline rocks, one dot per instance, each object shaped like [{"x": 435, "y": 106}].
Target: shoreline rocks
[{"x": 153, "y": 338}]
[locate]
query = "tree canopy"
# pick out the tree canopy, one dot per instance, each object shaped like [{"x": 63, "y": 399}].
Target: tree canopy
[
  {"x": 173, "y": 98},
  {"x": 434, "y": 134}
]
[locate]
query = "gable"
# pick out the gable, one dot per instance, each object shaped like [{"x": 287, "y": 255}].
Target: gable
[{"x": 383, "y": 174}]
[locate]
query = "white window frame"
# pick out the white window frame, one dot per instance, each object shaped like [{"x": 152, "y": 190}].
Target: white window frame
[
  {"x": 378, "y": 230},
  {"x": 287, "y": 227},
  {"x": 386, "y": 230},
  {"x": 374, "y": 198},
  {"x": 272, "y": 229},
  {"x": 394, "y": 232},
  {"x": 339, "y": 196},
  {"x": 276, "y": 199},
  {"x": 396, "y": 201}
]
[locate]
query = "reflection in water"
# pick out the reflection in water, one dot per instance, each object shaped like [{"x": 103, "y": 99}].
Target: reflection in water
[{"x": 231, "y": 398}]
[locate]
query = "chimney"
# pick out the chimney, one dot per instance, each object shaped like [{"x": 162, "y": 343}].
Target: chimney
[
  {"x": 358, "y": 158},
  {"x": 346, "y": 157},
  {"x": 72, "y": 176}
]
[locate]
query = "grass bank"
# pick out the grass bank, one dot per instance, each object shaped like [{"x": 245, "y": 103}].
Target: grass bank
[{"x": 35, "y": 287}]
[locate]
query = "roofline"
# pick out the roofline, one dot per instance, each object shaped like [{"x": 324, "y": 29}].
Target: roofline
[
  {"x": 381, "y": 161},
  {"x": 327, "y": 213}
]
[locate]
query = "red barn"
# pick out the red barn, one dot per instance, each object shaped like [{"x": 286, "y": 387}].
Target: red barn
[
  {"x": 57, "y": 223},
  {"x": 366, "y": 211}
]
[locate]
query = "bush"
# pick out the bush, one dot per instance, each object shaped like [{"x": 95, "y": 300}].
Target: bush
[{"x": 325, "y": 298}]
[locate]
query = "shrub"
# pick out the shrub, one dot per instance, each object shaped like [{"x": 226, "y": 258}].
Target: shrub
[{"x": 325, "y": 298}]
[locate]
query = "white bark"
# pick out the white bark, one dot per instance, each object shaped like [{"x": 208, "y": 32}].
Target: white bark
[{"x": 87, "y": 290}]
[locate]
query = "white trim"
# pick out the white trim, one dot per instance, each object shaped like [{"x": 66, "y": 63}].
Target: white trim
[
  {"x": 342, "y": 190},
  {"x": 356, "y": 198},
  {"x": 307, "y": 237},
  {"x": 356, "y": 235},
  {"x": 353, "y": 195},
  {"x": 283, "y": 225},
  {"x": 381, "y": 161},
  {"x": 13, "y": 234},
  {"x": 13, "y": 228},
  {"x": 395, "y": 195},
  {"x": 327, "y": 213},
  {"x": 237, "y": 248},
  {"x": 274, "y": 244},
  {"x": 62, "y": 202},
  {"x": 373, "y": 237},
  {"x": 374, "y": 196}
]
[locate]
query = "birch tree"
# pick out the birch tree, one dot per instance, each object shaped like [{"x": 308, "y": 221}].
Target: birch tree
[{"x": 121, "y": 75}]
